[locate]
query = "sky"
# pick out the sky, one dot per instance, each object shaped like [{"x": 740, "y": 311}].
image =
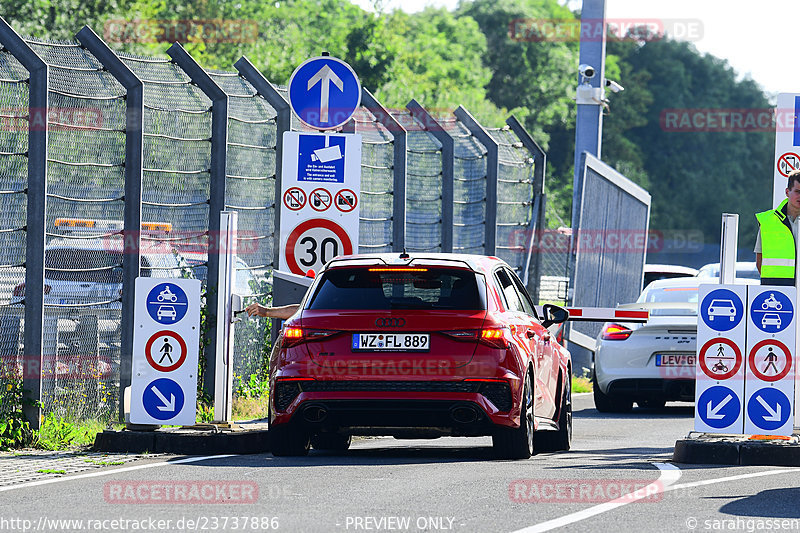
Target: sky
[{"x": 756, "y": 38}]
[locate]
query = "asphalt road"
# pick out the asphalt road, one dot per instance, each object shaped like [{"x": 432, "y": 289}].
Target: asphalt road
[{"x": 437, "y": 485}]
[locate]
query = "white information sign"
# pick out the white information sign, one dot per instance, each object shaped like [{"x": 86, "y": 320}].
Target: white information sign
[
  {"x": 721, "y": 328},
  {"x": 787, "y": 143},
  {"x": 321, "y": 193},
  {"x": 166, "y": 344},
  {"x": 769, "y": 382}
]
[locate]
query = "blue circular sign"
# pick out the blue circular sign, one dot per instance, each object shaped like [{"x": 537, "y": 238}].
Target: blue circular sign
[
  {"x": 722, "y": 310},
  {"x": 772, "y": 311},
  {"x": 167, "y": 303},
  {"x": 324, "y": 92},
  {"x": 719, "y": 407},
  {"x": 163, "y": 399},
  {"x": 769, "y": 408}
]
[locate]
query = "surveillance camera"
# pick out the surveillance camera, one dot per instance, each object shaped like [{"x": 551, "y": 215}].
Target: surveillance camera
[
  {"x": 587, "y": 71},
  {"x": 614, "y": 87}
]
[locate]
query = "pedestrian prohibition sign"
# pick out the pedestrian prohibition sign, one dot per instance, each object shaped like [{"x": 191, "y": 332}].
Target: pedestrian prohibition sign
[
  {"x": 165, "y": 351},
  {"x": 720, "y": 358},
  {"x": 770, "y": 360}
]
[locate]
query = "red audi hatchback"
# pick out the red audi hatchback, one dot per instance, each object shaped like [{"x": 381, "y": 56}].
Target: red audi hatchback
[{"x": 420, "y": 346}]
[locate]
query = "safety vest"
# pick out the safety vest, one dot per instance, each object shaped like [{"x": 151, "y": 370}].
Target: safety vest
[{"x": 777, "y": 247}]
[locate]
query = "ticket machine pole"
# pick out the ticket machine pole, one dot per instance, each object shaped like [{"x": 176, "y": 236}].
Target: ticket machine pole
[
  {"x": 727, "y": 248},
  {"x": 223, "y": 377}
]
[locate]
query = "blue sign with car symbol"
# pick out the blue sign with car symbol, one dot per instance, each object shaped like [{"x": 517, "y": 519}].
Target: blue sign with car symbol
[
  {"x": 167, "y": 303},
  {"x": 722, "y": 310},
  {"x": 772, "y": 311}
]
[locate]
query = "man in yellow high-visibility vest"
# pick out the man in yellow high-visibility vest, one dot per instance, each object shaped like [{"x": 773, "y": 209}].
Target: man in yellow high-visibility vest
[{"x": 776, "y": 243}]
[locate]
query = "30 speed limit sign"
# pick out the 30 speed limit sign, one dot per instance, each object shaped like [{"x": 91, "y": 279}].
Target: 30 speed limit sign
[
  {"x": 313, "y": 243},
  {"x": 321, "y": 184}
]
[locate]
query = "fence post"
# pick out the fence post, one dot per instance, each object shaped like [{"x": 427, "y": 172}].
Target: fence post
[
  {"x": 284, "y": 124},
  {"x": 134, "y": 131},
  {"x": 219, "y": 155},
  {"x": 448, "y": 155},
  {"x": 38, "y": 105},
  {"x": 492, "y": 171},
  {"x": 400, "y": 139},
  {"x": 538, "y": 223}
]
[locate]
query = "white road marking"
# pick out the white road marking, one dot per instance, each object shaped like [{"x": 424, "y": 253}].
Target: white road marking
[
  {"x": 669, "y": 475},
  {"x": 114, "y": 471},
  {"x": 666, "y": 483}
]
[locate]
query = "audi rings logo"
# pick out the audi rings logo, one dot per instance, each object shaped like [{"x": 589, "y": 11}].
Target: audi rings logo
[{"x": 390, "y": 322}]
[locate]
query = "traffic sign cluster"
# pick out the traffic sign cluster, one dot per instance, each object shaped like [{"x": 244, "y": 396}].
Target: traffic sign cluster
[
  {"x": 166, "y": 344},
  {"x": 745, "y": 374}
]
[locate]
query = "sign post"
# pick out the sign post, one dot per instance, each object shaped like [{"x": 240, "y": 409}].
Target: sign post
[
  {"x": 166, "y": 344},
  {"x": 769, "y": 382},
  {"x": 787, "y": 143},
  {"x": 721, "y": 329},
  {"x": 321, "y": 172}
]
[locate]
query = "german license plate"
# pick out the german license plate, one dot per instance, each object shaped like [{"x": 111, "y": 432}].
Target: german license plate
[
  {"x": 391, "y": 342},
  {"x": 670, "y": 359}
]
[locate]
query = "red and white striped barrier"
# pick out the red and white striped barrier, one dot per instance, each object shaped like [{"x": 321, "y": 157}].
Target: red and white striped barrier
[{"x": 605, "y": 314}]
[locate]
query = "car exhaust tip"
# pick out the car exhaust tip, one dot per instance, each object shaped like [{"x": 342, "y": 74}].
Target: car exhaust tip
[
  {"x": 315, "y": 414},
  {"x": 463, "y": 415}
]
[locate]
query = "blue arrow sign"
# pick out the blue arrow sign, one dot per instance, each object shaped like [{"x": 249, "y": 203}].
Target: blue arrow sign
[
  {"x": 722, "y": 310},
  {"x": 772, "y": 311},
  {"x": 324, "y": 92},
  {"x": 769, "y": 408},
  {"x": 163, "y": 399},
  {"x": 167, "y": 303},
  {"x": 718, "y": 407}
]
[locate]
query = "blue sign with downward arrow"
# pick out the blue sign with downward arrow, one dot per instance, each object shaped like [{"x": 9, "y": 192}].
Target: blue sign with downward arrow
[
  {"x": 769, "y": 408},
  {"x": 324, "y": 92},
  {"x": 163, "y": 399},
  {"x": 719, "y": 407}
]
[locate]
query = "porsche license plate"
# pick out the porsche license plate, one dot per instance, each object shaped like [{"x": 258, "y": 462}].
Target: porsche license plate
[
  {"x": 391, "y": 342},
  {"x": 670, "y": 359}
]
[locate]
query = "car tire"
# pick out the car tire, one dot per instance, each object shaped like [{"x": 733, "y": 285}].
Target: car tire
[
  {"x": 517, "y": 443},
  {"x": 651, "y": 404},
  {"x": 608, "y": 404},
  {"x": 330, "y": 442},
  {"x": 560, "y": 440},
  {"x": 287, "y": 441}
]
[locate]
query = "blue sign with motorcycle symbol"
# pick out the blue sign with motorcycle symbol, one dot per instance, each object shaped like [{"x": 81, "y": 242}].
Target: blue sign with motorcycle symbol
[
  {"x": 167, "y": 303},
  {"x": 771, "y": 311},
  {"x": 722, "y": 310}
]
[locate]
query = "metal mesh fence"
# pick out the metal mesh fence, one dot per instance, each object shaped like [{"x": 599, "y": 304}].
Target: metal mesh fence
[
  {"x": 423, "y": 186},
  {"x": 85, "y": 202},
  {"x": 469, "y": 189},
  {"x": 85, "y": 180},
  {"x": 515, "y": 196},
  {"x": 377, "y": 155},
  {"x": 13, "y": 182}
]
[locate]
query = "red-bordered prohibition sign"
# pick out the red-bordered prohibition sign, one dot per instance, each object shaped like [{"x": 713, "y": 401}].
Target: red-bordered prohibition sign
[
  {"x": 751, "y": 359},
  {"x": 291, "y": 242},
  {"x": 701, "y": 360},
  {"x": 180, "y": 342},
  {"x": 294, "y": 198}
]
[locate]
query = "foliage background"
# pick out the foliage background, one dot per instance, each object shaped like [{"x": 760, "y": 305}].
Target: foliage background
[{"x": 466, "y": 57}]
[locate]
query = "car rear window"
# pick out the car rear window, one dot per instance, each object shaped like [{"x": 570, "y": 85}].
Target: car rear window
[
  {"x": 87, "y": 266},
  {"x": 385, "y": 288},
  {"x": 672, "y": 295}
]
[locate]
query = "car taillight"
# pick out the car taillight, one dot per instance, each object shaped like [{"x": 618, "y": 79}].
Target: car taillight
[
  {"x": 494, "y": 337},
  {"x": 19, "y": 290},
  {"x": 616, "y": 332},
  {"x": 293, "y": 336}
]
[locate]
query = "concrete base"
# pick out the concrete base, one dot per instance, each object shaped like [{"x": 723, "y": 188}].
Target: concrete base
[
  {"x": 251, "y": 438},
  {"x": 705, "y": 448}
]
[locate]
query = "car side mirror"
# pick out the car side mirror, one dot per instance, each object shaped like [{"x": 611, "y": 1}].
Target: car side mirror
[{"x": 553, "y": 314}]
